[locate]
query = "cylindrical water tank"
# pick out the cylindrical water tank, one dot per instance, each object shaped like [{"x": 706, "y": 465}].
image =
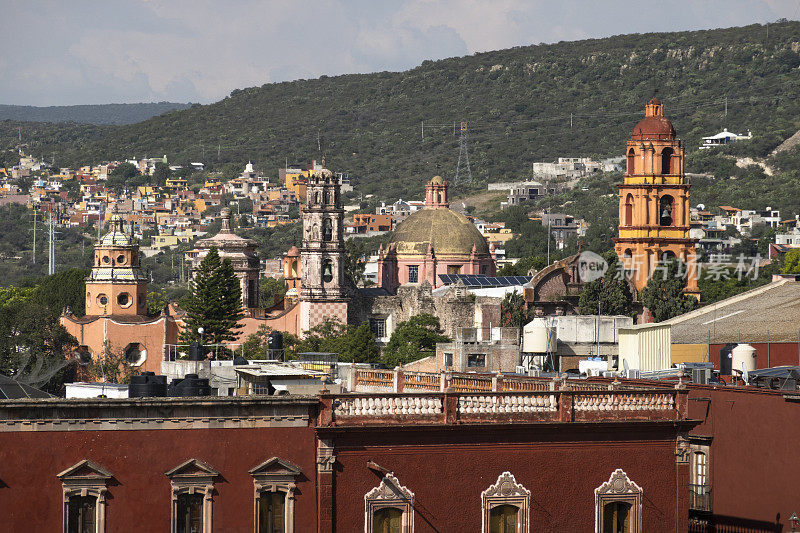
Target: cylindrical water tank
[
  {"x": 743, "y": 353},
  {"x": 539, "y": 336}
]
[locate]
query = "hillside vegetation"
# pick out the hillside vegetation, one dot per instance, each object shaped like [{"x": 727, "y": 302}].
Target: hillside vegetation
[
  {"x": 88, "y": 114},
  {"x": 517, "y": 103}
]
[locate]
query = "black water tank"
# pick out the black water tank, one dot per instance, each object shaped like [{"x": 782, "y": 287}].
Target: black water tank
[
  {"x": 197, "y": 352},
  {"x": 275, "y": 340},
  {"x": 726, "y": 359},
  {"x": 239, "y": 360},
  {"x": 190, "y": 385},
  {"x": 146, "y": 385}
]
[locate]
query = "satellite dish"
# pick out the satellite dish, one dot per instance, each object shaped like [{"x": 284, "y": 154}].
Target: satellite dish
[
  {"x": 745, "y": 375},
  {"x": 625, "y": 366}
]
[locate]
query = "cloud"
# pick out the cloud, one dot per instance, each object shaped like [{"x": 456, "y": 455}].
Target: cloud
[{"x": 84, "y": 51}]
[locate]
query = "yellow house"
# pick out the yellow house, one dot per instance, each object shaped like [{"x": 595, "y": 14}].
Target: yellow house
[
  {"x": 200, "y": 205},
  {"x": 176, "y": 183}
]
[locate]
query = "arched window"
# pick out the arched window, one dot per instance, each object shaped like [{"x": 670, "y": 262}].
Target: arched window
[
  {"x": 617, "y": 517},
  {"x": 665, "y": 210},
  {"x": 389, "y": 508},
  {"x": 387, "y": 520},
  {"x": 317, "y": 197},
  {"x": 327, "y": 230},
  {"x": 503, "y": 519},
  {"x": 327, "y": 271},
  {"x": 506, "y": 506},
  {"x": 618, "y": 505},
  {"x": 631, "y": 160},
  {"x": 629, "y": 210},
  {"x": 666, "y": 161}
]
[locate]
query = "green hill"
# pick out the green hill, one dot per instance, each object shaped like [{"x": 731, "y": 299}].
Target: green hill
[
  {"x": 88, "y": 114},
  {"x": 518, "y": 104}
]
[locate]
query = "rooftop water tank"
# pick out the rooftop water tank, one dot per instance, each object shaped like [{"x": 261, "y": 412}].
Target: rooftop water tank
[
  {"x": 147, "y": 385},
  {"x": 539, "y": 336},
  {"x": 743, "y": 353}
]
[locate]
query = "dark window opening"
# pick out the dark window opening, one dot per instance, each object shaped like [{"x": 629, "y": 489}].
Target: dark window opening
[
  {"x": 387, "y": 520},
  {"x": 629, "y": 210},
  {"x": 82, "y": 514},
  {"x": 271, "y": 512},
  {"x": 665, "y": 209},
  {"x": 189, "y": 513},
  {"x": 327, "y": 271},
  {"x": 503, "y": 519},
  {"x": 616, "y": 517},
  {"x": 413, "y": 273},
  {"x": 327, "y": 230},
  {"x": 631, "y": 159},
  {"x": 666, "y": 161},
  {"x": 476, "y": 360}
]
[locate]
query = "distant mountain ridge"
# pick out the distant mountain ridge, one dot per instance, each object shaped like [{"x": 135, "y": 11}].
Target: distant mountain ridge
[
  {"x": 100, "y": 114},
  {"x": 392, "y": 131}
]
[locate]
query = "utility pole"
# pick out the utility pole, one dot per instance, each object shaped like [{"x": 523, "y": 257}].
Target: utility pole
[
  {"x": 423, "y": 131},
  {"x": 570, "y": 121},
  {"x": 726, "y": 106},
  {"x": 34, "y": 235},
  {"x": 319, "y": 143},
  {"x": 51, "y": 267}
]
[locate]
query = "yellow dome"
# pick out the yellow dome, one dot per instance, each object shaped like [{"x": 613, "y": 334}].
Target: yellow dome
[
  {"x": 449, "y": 233},
  {"x": 437, "y": 180}
]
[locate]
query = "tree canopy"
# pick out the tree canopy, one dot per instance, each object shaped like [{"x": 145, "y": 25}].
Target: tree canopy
[
  {"x": 414, "y": 339},
  {"x": 215, "y": 302},
  {"x": 664, "y": 295}
]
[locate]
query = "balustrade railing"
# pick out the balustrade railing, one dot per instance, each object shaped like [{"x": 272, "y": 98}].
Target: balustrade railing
[
  {"x": 624, "y": 401},
  {"x": 510, "y": 406},
  {"x": 700, "y": 497},
  {"x": 470, "y": 384},
  {"x": 374, "y": 378},
  {"x": 422, "y": 381}
]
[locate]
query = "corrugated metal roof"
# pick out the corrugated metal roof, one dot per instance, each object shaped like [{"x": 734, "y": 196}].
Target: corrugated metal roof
[{"x": 276, "y": 370}]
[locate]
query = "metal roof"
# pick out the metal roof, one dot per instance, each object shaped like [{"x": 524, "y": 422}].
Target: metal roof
[
  {"x": 767, "y": 313},
  {"x": 269, "y": 370}
]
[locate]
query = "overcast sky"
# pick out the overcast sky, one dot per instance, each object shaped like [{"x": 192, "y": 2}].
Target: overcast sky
[{"x": 84, "y": 52}]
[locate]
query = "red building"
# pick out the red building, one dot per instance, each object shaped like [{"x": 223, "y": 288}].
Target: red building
[{"x": 560, "y": 456}]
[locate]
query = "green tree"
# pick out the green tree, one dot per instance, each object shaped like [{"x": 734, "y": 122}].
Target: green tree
[
  {"x": 270, "y": 291},
  {"x": 414, "y": 339},
  {"x": 351, "y": 342},
  {"x": 62, "y": 290},
  {"x": 514, "y": 312},
  {"x": 111, "y": 366},
  {"x": 215, "y": 302},
  {"x": 161, "y": 174},
  {"x": 613, "y": 295},
  {"x": 664, "y": 295},
  {"x": 122, "y": 176},
  {"x": 156, "y": 301},
  {"x": 791, "y": 262}
]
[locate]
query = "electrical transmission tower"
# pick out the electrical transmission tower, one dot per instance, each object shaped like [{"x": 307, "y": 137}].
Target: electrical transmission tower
[{"x": 465, "y": 174}]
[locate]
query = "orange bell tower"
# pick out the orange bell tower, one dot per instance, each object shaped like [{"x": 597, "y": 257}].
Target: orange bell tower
[{"x": 654, "y": 201}]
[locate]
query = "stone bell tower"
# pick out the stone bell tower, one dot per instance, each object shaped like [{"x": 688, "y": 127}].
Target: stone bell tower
[
  {"x": 654, "y": 201},
  {"x": 322, "y": 293}
]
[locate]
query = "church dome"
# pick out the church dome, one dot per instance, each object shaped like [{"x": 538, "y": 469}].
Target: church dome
[
  {"x": 654, "y": 126},
  {"x": 446, "y": 231}
]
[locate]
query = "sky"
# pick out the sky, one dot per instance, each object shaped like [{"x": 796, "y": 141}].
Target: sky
[{"x": 110, "y": 51}]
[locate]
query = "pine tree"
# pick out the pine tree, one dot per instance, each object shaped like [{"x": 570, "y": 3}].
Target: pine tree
[{"x": 215, "y": 303}]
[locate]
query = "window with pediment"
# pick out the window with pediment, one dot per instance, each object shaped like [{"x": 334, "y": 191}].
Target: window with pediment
[
  {"x": 274, "y": 483},
  {"x": 84, "y": 487},
  {"x": 192, "y": 496}
]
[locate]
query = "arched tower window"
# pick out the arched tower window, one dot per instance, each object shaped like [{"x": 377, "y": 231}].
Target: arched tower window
[
  {"x": 666, "y": 161},
  {"x": 631, "y": 160},
  {"x": 327, "y": 230},
  {"x": 629, "y": 210},
  {"x": 665, "y": 209},
  {"x": 327, "y": 271}
]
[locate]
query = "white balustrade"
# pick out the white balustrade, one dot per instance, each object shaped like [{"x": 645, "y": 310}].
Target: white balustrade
[
  {"x": 388, "y": 405},
  {"x": 512, "y": 403},
  {"x": 615, "y": 401}
]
